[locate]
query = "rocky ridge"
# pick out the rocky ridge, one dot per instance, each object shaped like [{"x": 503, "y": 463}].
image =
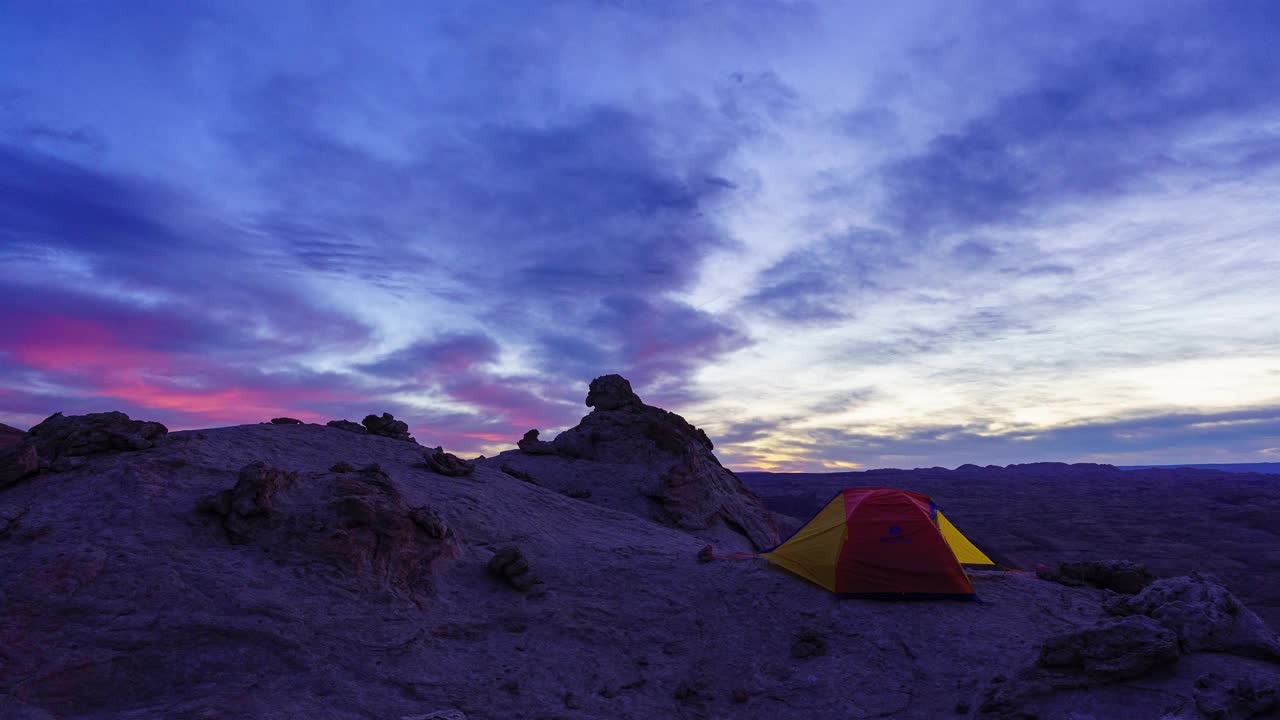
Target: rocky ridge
[{"x": 299, "y": 570}]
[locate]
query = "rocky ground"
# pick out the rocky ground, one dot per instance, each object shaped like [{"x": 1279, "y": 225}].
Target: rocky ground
[{"x": 286, "y": 570}]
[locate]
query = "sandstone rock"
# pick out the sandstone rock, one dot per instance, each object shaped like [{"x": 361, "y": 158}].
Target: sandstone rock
[
  {"x": 358, "y": 524},
  {"x": 1121, "y": 576},
  {"x": 510, "y": 565},
  {"x": 1204, "y": 614},
  {"x": 10, "y": 436},
  {"x": 285, "y": 421},
  {"x": 532, "y": 445},
  {"x": 17, "y": 463},
  {"x": 706, "y": 554},
  {"x": 388, "y": 426},
  {"x": 579, "y": 493},
  {"x": 518, "y": 474},
  {"x": 1117, "y": 650},
  {"x": 694, "y": 490},
  {"x": 1221, "y": 698},
  {"x": 348, "y": 426},
  {"x": 342, "y": 467},
  {"x": 443, "y": 463},
  {"x": 61, "y": 439}
]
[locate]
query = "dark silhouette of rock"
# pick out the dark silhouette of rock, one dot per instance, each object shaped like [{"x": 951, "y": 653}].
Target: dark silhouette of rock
[
  {"x": 1121, "y": 576},
  {"x": 348, "y": 426},
  {"x": 518, "y": 474},
  {"x": 510, "y": 564},
  {"x": 285, "y": 421},
  {"x": 17, "y": 463},
  {"x": 1204, "y": 614},
  {"x": 579, "y": 493},
  {"x": 62, "y": 440},
  {"x": 532, "y": 445},
  {"x": 443, "y": 463},
  {"x": 10, "y": 436},
  {"x": 342, "y": 467},
  {"x": 388, "y": 426},
  {"x": 612, "y": 392},
  {"x": 1117, "y": 650},
  {"x": 1240, "y": 698},
  {"x": 694, "y": 490},
  {"x": 358, "y": 524}
]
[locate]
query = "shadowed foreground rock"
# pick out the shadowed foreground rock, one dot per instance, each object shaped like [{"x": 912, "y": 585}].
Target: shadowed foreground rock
[
  {"x": 356, "y": 522},
  {"x": 1204, "y": 614}
]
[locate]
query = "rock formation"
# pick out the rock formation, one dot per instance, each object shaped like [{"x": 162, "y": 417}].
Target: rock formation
[
  {"x": 356, "y": 522},
  {"x": 388, "y": 426},
  {"x": 510, "y": 564},
  {"x": 532, "y": 445},
  {"x": 670, "y": 460},
  {"x": 10, "y": 436},
  {"x": 62, "y": 442},
  {"x": 348, "y": 426},
  {"x": 443, "y": 463},
  {"x": 1204, "y": 614},
  {"x": 285, "y": 421}
]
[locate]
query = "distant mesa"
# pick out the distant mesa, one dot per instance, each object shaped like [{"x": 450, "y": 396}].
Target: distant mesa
[
  {"x": 62, "y": 442},
  {"x": 285, "y": 421},
  {"x": 641, "y": 454}
]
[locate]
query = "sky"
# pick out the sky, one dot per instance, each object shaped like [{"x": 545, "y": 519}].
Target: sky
[{"x": 834, "y": 235}]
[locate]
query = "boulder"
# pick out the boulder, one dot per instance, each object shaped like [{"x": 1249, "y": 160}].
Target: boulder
[
  {"x": 443, "y": 463},
  {"x": 1204, "y": 614},
  {"x": 285, "y": 421},
  {"x": 509, "y": 564},
  {"x": 17, "y": 463},
  {"x": 388, "y": 426},
  {"x": 62, "y": 439},
  {"x": 347, "y": 425},
  {"x": 1221, "y": 698},
  {"x": 532, "y": 445},
  {"x": 355, "y": 523},
  {"x": 1121, "y": 576},
  {"x": 1120, "y": 649},
  {"x": 693, "y": 490}
]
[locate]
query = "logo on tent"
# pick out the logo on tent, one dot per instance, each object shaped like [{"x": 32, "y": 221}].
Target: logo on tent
[{"x": 895, "y": 535}]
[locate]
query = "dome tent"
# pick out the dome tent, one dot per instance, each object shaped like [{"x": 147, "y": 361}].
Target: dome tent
[{"x": 882, "y": 543}]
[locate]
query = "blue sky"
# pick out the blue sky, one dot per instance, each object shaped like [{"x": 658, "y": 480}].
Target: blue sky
[{"x": 834, "y": 235}]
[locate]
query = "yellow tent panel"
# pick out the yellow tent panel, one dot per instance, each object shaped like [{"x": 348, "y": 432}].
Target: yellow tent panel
[
  {"x": 813, "y": 551},
  {"x": 966, "y": 552}
]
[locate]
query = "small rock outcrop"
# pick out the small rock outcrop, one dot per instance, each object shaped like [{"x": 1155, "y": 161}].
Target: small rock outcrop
[
  {"x": 1114, "y": 651},
  {"x": 1222, "y": 698},
  {"x": 695, "y": 491},
  {"x": 532, "y": 445},
  {"x": 510, "y": 564},
  {"x": 443, "y": 463},
  {"x": 1117, "y": 650},
  {"x": 348, "y": 426},
  {"x": 17, "y": 463},
  {"x": 1204, "y": 614},
  {"x": 1121, "y": 576},
  {"x": 61, "y": 442},
  {"x": 285, "y": 421},
  {"x": 355, "y": 522},
  {"x": 518, "y": 474},
  {"x": 388, "y": 426}
]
